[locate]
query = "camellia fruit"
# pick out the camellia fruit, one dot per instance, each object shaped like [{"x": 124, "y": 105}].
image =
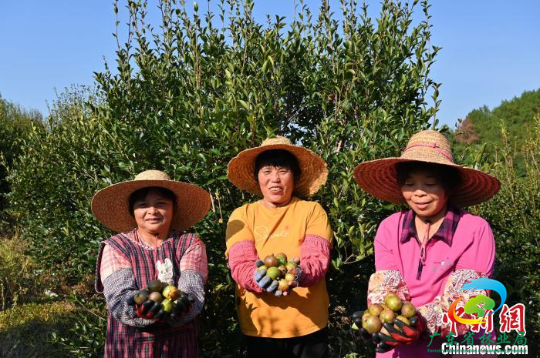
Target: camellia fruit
[
  {"x": 289, "y": 277},
  {"x": 404, "y": 319},
  {"x": 141, "y": 296},
  {"x": 394, "y": 303},
  {"x": 375, "y": 309},
  {"x": 372, "y": 324},
  {"x": 282, "y": 269},
  {"x": 270, "y": 261},
  {"x": 387, "y": 316},
  {"x": 290, "y": 266},
  {"x": 408, "y": 310},
  {"x": 155, "y": 286},
  {"x": 167, "y": 305},
  {"x": 273, "y": 272},
  {"x": 155, "y": 296},
  {"x": 283, "y": 285},
  {"x": 171, "y": 292},
  {"x": 282, "y": 258}
]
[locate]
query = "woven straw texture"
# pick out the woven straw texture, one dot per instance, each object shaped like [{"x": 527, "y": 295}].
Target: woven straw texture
[
  {"x": 378, "y": 177},
  {"x": 111, "y": 205},
  {"x": 312, "y": 167}
]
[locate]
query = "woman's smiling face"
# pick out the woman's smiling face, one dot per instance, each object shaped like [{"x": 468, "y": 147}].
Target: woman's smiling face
[
  {"x": 425, "y": 194},
  {"x": 153, "y": 213},
  {"x": 276, "y": 184}
]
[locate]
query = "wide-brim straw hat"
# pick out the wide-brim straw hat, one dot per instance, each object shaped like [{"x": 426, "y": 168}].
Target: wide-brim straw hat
[
  {"x": 313, "y": 170},
  {"x": 111, "y": 204},
  {"x": 379, "y": 178}
]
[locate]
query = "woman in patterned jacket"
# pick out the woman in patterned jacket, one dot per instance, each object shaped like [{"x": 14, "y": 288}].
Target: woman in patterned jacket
[
  {"x": 427, "y": 253},
  {"x": 149, "y": 214}
]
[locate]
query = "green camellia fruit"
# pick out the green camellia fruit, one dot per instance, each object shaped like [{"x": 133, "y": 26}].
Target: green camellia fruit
[
  {"x": 394, "y": 303},
  {"x": 282, "y": 259},
  {"x": 273, "y": 272},
  {"x": 167, "y": 305}
]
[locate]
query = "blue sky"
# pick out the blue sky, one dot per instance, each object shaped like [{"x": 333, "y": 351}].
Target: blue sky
[{"x": 490, "y": 48}]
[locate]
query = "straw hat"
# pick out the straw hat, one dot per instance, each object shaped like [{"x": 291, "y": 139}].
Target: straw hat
[
  {"x": 111, "y": 204},
  {"x": 312, "y": 167},
  {"x": 378, "y": 177}
]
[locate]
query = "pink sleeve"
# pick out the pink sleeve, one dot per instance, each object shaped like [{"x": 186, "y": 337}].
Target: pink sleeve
[
  {"x": 195, "y": 259},
  {"x": 242, "y": 257},
  {"x": 314, "y": 259},
  {"x": 480, "y": 256},
  {"x": 384, "y": 254},
  {"x": 111, "y": 261},
  {"x": 435, "y": 311}
]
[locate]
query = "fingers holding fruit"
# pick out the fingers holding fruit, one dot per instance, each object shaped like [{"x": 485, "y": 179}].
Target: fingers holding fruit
[
  {"x": 277, "y": 275},
  {"x": 391, "y": 323},
  {"x": 158, "y": 301}
]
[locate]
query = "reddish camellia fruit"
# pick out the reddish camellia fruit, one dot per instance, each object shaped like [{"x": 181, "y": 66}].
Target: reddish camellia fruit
[{"x": 270, "y": 261}]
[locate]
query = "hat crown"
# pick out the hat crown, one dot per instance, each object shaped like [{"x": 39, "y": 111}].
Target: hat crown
[
  {"x": 276, "y": 140},
  {"x": 152, "y": 175},
  {"x": 429, "y": 145}
]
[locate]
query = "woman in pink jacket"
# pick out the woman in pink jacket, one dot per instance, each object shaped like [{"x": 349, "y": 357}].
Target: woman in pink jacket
[{"x": 428, "y": 252}]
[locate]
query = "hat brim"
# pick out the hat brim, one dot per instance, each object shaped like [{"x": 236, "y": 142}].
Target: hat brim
[
  {"x": 378, "y": 178},
  {"x": 313, "y": 169},
  {"x": 111, "y": 205}
]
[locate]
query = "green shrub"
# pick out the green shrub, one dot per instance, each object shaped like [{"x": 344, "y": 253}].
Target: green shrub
[
  {"x": 15, "y": 123},
  {"x": 189, "y": 97},
  {"x": 22, "y": 280}
]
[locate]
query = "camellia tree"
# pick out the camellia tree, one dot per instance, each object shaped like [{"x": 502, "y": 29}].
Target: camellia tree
[{"x": 191, "y": 92}]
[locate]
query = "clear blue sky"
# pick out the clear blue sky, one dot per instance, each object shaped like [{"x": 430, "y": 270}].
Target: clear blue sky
[{"x": 490, "y": 48}]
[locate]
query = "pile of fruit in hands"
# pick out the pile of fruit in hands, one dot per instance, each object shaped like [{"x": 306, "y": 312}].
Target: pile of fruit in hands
[
  {"x": 278, "y": 275},
  {"x": 159, "y": 301},
  {"x": 390, "y": 324}
]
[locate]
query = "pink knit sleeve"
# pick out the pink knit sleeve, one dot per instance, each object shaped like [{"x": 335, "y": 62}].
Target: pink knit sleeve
[
  {"x": 242, "y": 257},
  {"x": 314, "y": 259}
]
